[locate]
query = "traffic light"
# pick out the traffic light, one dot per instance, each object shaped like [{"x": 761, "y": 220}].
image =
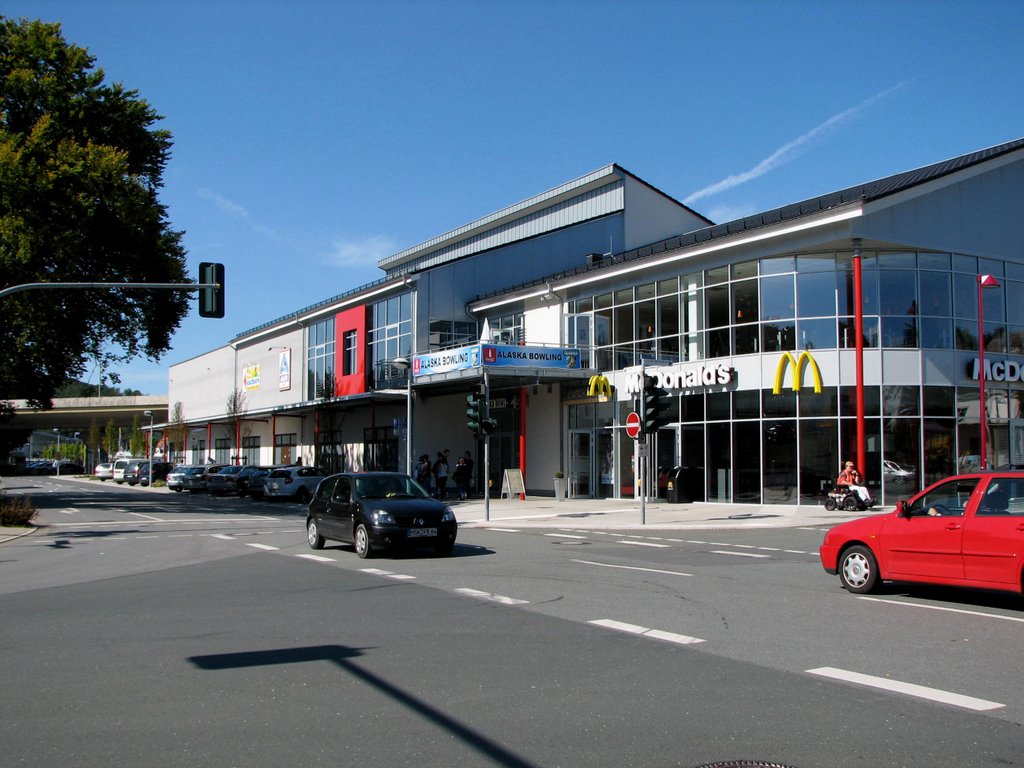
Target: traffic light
[
  {"x": 476, "y": 411},
  {"x": 211, "y": 300},
  {"x": 652, "y": 407}
]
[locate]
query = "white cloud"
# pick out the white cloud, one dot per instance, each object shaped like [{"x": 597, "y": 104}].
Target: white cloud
[
  {"x": 358, "y": 253},
  {"x": 788, "y": 151},
  {"x": 223, "y": 203}
]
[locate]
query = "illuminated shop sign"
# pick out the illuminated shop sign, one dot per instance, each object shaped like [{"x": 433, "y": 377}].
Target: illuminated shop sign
[
  {"x": 682, "y": 377},
  {"x": 996, "y": 370},
  {"x": 496, "y": 356},
  {"x": 599, "y": 386},
  {"x": 797, "y": 363}
]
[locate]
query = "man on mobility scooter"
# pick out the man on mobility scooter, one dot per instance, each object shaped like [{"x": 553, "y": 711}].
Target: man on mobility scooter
[{"x": 849, "y": 493}]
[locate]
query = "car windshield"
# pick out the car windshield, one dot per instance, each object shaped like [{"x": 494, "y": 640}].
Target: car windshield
[
  {"x": 195, "y": 470},
  {"x": 232, "y": 470},
  {"x": 388, "y": 487}
]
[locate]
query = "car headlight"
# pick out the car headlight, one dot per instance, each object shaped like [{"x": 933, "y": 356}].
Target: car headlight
[
  {"x": 448, "y": 516},
  {"x": 380, "y": 517}
]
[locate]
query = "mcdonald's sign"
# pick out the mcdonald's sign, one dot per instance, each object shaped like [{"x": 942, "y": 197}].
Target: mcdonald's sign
[
  {"x": 798, "y": 363},
  {"x": 599, "y": 386}
]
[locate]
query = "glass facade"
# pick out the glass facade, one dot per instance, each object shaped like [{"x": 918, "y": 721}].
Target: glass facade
[
  {"x": 319, "y": 357},
  {"x": 752, "y": 446},
  {"x": 390, "y": 338}
]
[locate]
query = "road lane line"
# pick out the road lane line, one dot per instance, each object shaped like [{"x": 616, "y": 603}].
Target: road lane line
[
  {"x": 503, "y": 530},
  {"x": 942, "y": 608},
  {"x": 488, "y": 596},
  {"x": 737, "y": 554},
  {"x": 632, "y": 568},
  {"x": 388, "y": 574},
  {"x": 564, "y": 536},
  {"x": 223, "y": 536},
  {"x": 317, "y": 558},
  {"x": 635, "y": 629},
  {"x": 909, "y": 689},
  {"x": 147, "y": 517},
  {"x": 255, "y": 545},
  {"x": 643, "y": 544}
]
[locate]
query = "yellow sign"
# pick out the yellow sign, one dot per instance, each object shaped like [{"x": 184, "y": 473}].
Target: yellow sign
[
  {"x": 787, "y": 359},
  {"x": 599, "y": 385}
]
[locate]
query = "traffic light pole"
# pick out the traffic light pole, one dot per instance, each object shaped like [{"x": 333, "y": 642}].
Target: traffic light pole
[
  {"x": 163, "y": 286},
  {"x": 487, "y": 450}
]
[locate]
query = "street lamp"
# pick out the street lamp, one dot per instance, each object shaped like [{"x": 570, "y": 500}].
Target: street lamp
[
  {"x": 984, "y": 281},
  {"x": 403, "y": 363},
  {"x": 57, "y": 455},
  {"x": 149, "y": 446}
]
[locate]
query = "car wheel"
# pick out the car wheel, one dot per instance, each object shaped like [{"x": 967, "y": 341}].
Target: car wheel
[
  {"x": 362, "y": 541},
  {"x": 858, "y": 570},
  {"x": 176, "y": 490},
  {"x": 830, "y": 504},
  {"x": 316, "y": 541},
  {"x": 852, "y": 502},
  {"x": 302, "y": 496}
]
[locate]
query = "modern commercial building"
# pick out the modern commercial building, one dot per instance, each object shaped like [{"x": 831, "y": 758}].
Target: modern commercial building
[{"x": 842, "y": 326}]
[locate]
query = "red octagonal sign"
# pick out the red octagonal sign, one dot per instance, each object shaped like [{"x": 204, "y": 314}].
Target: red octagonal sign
[{"x": 633, "y": 424}]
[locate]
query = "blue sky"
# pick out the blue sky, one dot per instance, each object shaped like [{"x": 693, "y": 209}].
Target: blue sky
[{"x": 312, "y": 138}]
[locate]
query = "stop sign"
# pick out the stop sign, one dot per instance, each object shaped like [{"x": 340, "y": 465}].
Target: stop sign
[{"x": 633, "y": 424}]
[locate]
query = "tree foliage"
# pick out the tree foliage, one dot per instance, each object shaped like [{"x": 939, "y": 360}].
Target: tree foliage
[{"x": 81, "y": 164}]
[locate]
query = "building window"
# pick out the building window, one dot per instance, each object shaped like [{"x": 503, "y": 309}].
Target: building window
[
  {"x": 222, "y": 450},
  {"x": 251, "y": 449},
  {"x": 507, "y": 329},
  {"x": 390, "y": 338},
  {"x": 320, "y": 359},
  {"x": 349, "y": 356},
  {"x": 285, "y": 451}
]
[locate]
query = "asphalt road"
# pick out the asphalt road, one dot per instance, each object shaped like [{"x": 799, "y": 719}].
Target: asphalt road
[{"x": 147, "y": 629}]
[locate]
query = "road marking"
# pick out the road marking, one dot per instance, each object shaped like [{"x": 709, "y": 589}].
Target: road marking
[
  {"x": 909, "y": 689},
  {"x": 223, "y": 536},
  {"x": 503, "y": 530},
  {"x": 388, "y": 574},
  {"x": 796, "y": 552},
  {"x": 147, "y": 517},
  {"x": 317, "y": 558},
  {"x": 632, "y": 568},
  {"x": 643, "y": 544},
  {"x": 694, "y": 541},
  {"x": 149, "y": 536},
  {"x": 488, "y": 596},
  {"x": 254, "y": 545},
  {"x": 635, "y": 629},
  {"x": 942, "y": 608},
  {"x": 564, "y": 536},
  {"x": 736, "y": 554}
]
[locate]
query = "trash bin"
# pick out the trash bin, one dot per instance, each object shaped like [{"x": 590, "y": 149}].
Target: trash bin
[{"x": 674, "y": 493}]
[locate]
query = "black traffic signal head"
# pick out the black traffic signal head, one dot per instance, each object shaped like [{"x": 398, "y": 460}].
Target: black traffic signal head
[
  {"x": 652, "y": 406},
  {"x": 211, "y": 300},
  {"x": 474, "y": 411}
]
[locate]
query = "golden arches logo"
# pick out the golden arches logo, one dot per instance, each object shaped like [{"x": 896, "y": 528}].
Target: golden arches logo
[
  {"x": 798, "y": 363},
  {"x": 599, "y": 385}
]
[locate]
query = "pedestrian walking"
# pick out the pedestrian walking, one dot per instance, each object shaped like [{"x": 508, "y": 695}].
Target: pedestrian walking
[{"x": 441, "y": 475}]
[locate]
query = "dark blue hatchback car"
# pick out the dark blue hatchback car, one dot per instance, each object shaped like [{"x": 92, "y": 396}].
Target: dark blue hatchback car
[{"x": 379, "y": 510}]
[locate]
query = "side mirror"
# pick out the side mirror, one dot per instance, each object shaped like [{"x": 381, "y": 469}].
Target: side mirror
[{"x": 902, "y": 508}]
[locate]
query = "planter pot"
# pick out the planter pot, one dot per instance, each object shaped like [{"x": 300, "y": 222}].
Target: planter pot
[{"x": 559, "y": 488}]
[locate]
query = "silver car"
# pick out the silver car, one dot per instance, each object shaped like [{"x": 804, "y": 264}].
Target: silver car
[{"x": 295, "y": 483}]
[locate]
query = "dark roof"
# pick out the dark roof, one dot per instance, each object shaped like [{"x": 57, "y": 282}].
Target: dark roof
[{"x": 872, "y": 190}]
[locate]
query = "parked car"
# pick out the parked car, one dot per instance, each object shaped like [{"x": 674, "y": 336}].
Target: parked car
[
  {"x": 295, "y": 483},
  {"x": 176, "y": 477},
  {"x": 966, "y": 530},
  {"x": 121, "y": 466},
  {"x": 377, "y": 510},
  {"x": 139, "y": 473},
  {"x": 193, "y": 478},
  {"x": 231, "y": 479},
  {"x": 104, "y": 471}
]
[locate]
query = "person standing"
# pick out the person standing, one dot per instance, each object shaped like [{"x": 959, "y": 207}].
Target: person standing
[
  {"x": 441, "y": 475},
  {"x": 461, "y": 477},
  {"x": 472, "y": 478}
]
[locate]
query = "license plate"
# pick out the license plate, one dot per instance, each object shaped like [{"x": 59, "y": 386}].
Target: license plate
[{"x": 413, "y": 532}]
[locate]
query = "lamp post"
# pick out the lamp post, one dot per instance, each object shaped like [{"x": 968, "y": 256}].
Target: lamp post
[
  {"x": 984, "y": 281},
  {"x": 403, "y": 363},
  {"x": 149, "y": 446},
  {"x": 57, "y": 455}
]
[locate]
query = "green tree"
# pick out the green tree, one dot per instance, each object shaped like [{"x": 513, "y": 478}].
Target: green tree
[
  {"x": 110, "y": 440},
  {"x": 177, "y": 431},
  {"x": 137, "y": 438},
  {"x": 81, "y": 164},
  {"x": 93, "y": 440}
]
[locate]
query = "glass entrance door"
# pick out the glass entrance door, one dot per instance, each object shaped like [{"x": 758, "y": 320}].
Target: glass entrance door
[{"x": 582, "y": 460}]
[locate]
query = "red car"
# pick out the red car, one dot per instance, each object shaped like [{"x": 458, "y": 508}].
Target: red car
[{"x": 965, "y": 531}]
